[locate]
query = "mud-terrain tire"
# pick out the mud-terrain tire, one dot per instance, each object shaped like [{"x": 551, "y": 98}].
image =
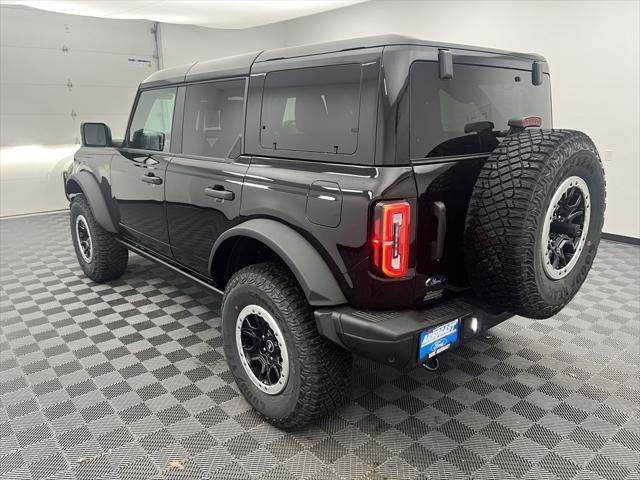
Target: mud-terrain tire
[
  {"x": 318, "y": 371},
  {"x": 106, "y": 259},
  {"x": 507, "y": 239}
]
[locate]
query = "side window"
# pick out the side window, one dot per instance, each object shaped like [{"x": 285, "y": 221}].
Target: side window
[
  {"x": 312, "y": 109},
  {"x": 212, "y": 118},
  {"x": 151, "y": 124}
]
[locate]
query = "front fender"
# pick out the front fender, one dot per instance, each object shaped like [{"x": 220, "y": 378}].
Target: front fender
[
  {"x": 314, "y": 276},
  {"x": 88, "y": 185}
]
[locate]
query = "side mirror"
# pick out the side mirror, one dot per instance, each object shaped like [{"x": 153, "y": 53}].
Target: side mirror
[
  {"x": 148, "y": 140},
  {"x": 95, "y": 135}
]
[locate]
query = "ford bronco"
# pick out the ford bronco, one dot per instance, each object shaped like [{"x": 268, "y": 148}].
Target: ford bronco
[{"x": 386, "y": 196}]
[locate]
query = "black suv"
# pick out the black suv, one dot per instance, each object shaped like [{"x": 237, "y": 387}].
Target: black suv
[{"x": 384, "y": 196}]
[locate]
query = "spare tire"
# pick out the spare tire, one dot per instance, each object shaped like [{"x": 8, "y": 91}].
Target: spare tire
[{"x": 534, "y": 221}]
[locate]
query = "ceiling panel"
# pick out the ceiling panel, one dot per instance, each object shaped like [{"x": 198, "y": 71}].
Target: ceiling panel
[{"x": 231, "y": 14}]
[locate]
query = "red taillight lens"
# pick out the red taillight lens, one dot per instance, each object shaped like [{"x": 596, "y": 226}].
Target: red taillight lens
[{"x": 390, "y": 238}]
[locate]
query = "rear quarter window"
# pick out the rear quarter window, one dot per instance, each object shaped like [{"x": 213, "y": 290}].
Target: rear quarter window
[
  {"x": 457, "y": 116},
  {"x": 313, "y": 109}
]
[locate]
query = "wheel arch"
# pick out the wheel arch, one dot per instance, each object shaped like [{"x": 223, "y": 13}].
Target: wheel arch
[
  {"x": 300, "y": 257},
  {"x": 84, "y": 182}
]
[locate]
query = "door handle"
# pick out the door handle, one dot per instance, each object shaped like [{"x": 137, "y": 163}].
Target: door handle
[
  {"x": 151, "y": 178},
  {"x": 218, "y": 191}
]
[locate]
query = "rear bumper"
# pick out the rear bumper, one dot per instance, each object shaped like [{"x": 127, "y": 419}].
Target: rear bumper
[{"x": 392, "y": 337}]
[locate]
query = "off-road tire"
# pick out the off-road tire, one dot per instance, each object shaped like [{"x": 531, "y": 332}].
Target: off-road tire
[
  {"x": 319, "y": 371},
  {"x": 504, "y": 223},
  {"x": 109, "y": 260}
]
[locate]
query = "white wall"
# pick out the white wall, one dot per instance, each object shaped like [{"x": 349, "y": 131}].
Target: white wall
[
  {"x": 38, "y": 134},
  {"x": 593, "y": 49},
  {"x": 182, "y": 44}
]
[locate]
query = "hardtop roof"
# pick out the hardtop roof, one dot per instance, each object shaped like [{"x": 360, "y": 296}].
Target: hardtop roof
[{"x": 238, "y": 65}]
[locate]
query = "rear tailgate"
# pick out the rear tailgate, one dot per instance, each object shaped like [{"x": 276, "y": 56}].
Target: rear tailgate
[{"x": 454, "y": 125}]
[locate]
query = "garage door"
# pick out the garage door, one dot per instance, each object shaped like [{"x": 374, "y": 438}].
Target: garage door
[{"x": 58, "y": 71}]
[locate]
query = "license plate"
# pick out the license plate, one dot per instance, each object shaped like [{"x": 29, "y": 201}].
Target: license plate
[{"x": 438, "y": 339}]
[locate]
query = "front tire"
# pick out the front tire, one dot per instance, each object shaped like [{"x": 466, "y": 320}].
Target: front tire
[
  {"x": 101, "y": 257},
  {"x": 281, "y": 364}
]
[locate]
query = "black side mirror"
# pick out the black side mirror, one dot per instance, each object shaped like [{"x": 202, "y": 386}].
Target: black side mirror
[
  {"x": 148, "y": 140},
  {"x": 95, "y": 135}
]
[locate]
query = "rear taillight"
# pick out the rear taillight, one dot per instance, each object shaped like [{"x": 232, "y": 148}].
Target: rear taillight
[{"x": 390, "y": 238}]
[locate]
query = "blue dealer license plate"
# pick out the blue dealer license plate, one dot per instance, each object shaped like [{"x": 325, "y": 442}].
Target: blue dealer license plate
[{"x": 437, "y": 339}]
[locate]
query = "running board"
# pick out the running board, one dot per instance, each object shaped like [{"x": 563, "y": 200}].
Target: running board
[{"x": 170, "y": 266}]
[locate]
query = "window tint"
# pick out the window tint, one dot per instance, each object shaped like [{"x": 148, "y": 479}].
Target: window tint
[
  {"x": 312, "y": 109},
  {"x": 212, "y": 118},
  {"x": 151, "y": 124},
  {"x": 458, "y": 116}
]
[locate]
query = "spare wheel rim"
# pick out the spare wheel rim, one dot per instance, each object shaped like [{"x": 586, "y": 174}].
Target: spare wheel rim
[{"x": 565, "y": 228}]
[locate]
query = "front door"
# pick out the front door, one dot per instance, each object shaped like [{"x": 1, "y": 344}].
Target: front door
[
  {"x": 138, "y": 171},
  {"x": 204, "y": 181}
]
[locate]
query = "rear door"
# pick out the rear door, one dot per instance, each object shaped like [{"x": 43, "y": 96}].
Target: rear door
[
  {"x": 453, "y": 127},
  {"x": 204, "y": 181},
  {"x": 138, "y": 170}
]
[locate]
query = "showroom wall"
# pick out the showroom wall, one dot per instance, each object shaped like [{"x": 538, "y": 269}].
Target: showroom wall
[
  {"x": 181, "y": 44},
  {"x": 593, "y": 49},
  {"x": 56, "y": 72},
  {"x": 82, "y": 69}
]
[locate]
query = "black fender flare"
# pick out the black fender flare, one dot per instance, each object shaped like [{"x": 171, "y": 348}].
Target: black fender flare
[
  {"x": 312, "y": 272},
  {"x": 90, "y": 188}
]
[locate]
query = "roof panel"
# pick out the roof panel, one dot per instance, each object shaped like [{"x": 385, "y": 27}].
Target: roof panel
[
  {"x": 167, "y": 76},
  {"x": 374, "y": 41},
  {"x": 234, "y": 66},
  {"x": 239, "y": 65}
]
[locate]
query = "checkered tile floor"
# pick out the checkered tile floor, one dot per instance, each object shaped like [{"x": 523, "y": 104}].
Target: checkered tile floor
[{"x": 129, "y": 381}]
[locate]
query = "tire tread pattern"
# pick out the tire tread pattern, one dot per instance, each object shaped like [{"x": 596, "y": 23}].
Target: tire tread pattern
[
  {"x": 325, "y": 369},
  {"x": 110, "y": 258},
  {"x": 505, "y": 210}
]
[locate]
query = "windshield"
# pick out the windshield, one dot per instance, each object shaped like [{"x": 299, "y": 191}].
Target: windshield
[{"x": 462, "y": 115}]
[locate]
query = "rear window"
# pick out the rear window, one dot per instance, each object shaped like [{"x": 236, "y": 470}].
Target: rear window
[
  {"x": 312, "y": 109},
  {"x": 457, "y": 116}
]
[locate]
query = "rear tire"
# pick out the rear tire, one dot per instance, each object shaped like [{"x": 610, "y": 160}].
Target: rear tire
[
  {"x": 101, "y": 257},
  {"x": 520, "y": 201},
  {"x": 265, "y": 298}
]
